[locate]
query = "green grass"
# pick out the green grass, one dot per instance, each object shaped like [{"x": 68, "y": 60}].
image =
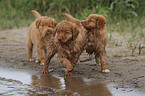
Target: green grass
[
  {"x": 123, "y": 16},
  {"x": 120, "y": 13}
]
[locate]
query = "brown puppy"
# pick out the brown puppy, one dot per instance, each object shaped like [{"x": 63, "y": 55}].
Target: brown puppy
[
  {"x": 97, "y": 37},
  {"x": 68, "y": 44},
  {"x": 34, "y": 35}
]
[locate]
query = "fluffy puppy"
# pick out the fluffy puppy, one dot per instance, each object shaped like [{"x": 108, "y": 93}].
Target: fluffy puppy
[
  {"x": 34, "y": 35},
  {"x": 97, "y": 37},
  {"x": 68, "y": 44}
]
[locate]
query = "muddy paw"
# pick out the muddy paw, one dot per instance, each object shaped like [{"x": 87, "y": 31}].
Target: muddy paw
[
  {"x": 99, "y": 64},
  {"x": 67, "y": 74},
  {"x": 71, "y": 69},
  {"x": 37, "y": 61},
  {"x": 106, "y": 71},
  {"x": 44, "y": 72},
  {"x": 42, "y": 62},
  {"x": 30, "y": 60}
]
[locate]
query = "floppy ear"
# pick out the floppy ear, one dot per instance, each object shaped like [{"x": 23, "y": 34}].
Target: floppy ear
[
  {"x": 54, "y": 24},
  {"x": 47, "y": 31},
  {"x": 101, "y": 21},
  {"x": 38, "y": 21},
  {"x": 75, "y": 31},
  {"x": 55, "y": 30}
]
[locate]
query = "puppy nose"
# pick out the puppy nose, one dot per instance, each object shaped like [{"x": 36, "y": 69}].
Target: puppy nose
[
  {"x": 59, "y": 39},
  {"x": 82, "y": 21}
]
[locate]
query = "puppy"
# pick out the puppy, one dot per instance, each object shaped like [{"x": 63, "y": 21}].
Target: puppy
[
  {"x": 34, "y": 35},
  {"x": 97, "y": 37},
  {"x": 68, "y": 44}
]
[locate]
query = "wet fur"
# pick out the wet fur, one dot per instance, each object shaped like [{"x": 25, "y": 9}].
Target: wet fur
[
  {"x": 97, "y": 37},
  {"x": 68, "y": 52},
  {"x": 38, "y": 36}
]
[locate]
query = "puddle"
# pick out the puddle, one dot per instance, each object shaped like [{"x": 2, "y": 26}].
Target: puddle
[
  {"x": 23, "y": 83},
  {"x": 119, "y": 89}
]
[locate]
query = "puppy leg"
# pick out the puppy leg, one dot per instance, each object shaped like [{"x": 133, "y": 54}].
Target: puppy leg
[
  {"x": 30, "y": 49},
  {"x": 104, "y": 65},
  {"x": 66, "y": 63},
  {"x": 49, "y": 55},
  {"x": 41, "y": 54},
  {"x": 97, "y": 57}
]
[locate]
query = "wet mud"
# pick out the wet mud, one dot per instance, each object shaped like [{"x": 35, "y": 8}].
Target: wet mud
[{"x": 126, "y": 76}]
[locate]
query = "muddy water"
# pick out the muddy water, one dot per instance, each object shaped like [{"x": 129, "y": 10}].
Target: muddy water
[{"x": 24, "y": 83}]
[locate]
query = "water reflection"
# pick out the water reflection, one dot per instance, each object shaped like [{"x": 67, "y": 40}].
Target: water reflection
[
  {"x": 70, "y": 86},
  {"x": 46, "y": 81},
  {"x": 22, "y": 83}
]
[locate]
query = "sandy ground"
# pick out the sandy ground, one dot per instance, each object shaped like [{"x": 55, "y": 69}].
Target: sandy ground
[{"x": 124, "y": 67}]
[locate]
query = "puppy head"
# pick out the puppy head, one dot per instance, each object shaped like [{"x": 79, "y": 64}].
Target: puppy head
[
  {"x": 66, "y": 31},
  {"x": 45, "y": 22},
  {"x": 94, "y": 21},
  {"x": 47, "y": 33}
]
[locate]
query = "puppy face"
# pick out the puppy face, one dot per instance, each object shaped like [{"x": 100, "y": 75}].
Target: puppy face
[
  {"x": 45, "y": 22},
  {"x": 47, "y": 33},
  {"x": 94, "y": 21},
  {"x": 66, "y": 31}
]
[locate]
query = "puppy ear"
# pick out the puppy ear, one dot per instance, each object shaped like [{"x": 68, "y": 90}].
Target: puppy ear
[
  {"x": 101, "y": 21},
  {"x": 38, "y": 21},
  {"x": 54, "y": 24},
  {"x": 55, "y": 30},
  {"x": 75, "y": 31},
  {"x": 47, "y": 31}
]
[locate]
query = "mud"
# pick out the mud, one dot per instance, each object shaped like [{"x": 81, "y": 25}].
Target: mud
[{"x": 125, "y": 69}]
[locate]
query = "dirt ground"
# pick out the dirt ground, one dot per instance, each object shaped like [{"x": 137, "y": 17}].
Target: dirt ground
[{"x": 124, "y": 67}]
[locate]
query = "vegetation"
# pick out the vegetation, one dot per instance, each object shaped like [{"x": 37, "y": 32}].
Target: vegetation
[{"x": 123, "y": 16}]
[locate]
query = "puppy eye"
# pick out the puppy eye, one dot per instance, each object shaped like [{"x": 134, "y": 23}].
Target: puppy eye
[{"x": 91, "y": 20}]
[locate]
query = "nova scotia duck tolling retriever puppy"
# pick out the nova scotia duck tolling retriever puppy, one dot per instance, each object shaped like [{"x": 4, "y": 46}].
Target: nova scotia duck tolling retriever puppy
[
  {"x": 97, "y": 37},
  {"x": 37, "y": 37},
  {"x": 68, "y": 44}
]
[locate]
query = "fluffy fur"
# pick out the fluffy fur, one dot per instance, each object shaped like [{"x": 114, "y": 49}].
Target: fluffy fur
[
  {"x": 68, "y": 44},
  {"x": 97, "y": 37},
  {"x": 38, "y": 36}
]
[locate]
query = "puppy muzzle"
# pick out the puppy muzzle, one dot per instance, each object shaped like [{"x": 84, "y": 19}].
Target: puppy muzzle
[{"x": 82, "y": 23}]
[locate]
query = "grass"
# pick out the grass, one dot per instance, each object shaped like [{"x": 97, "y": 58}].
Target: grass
[{"x": 123, "y": 16}]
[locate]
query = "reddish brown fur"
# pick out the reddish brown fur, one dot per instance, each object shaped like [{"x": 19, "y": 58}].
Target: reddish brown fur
[
  {"x": 37, "y": 36},
  {"x": 97, "y": 37},
  {"x": 68, "y": 49}
]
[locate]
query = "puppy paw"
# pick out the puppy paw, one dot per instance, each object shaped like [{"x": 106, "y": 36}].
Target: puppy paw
[
  {"x": 37, "y": 61},
  {"x": 67, "y": 74},
  {"x": 31, "y": 59},
  {"x": 44, "y": 72},
  {"x": 106, "y": 71},
  {"x": 99, "y": 64},
  {"x": 41, "y": 63},
  {"x": 71, "y": 69}
]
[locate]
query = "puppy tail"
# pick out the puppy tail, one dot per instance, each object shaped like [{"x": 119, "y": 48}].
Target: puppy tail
[
  {"x": 36, "y": 14},
  {"x": 71, "y": 18}
]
